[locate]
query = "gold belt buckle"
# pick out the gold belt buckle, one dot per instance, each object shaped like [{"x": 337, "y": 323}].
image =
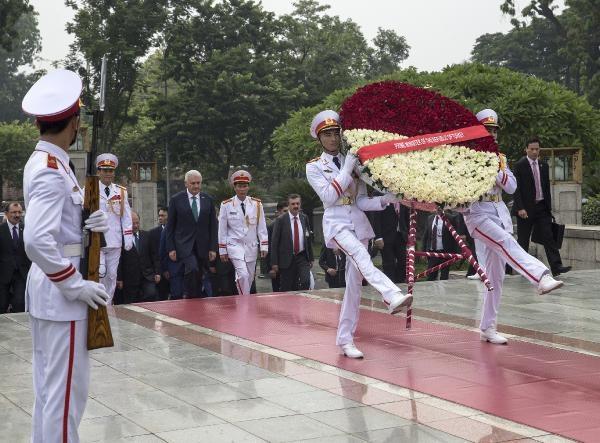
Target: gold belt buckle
[{"x": 346, "y": 200}]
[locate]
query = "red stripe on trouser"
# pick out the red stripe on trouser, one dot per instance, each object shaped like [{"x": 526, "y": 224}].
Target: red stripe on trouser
[
  {"x": 508, "y": 255},
  {"x": 348, "y": 255},
  {"x": 68, "y": 391}
]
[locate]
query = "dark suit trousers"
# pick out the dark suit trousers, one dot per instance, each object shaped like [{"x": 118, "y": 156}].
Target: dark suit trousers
[
  {"x": 431, "y": 262},
  {"x": 145, "y": 291},
  {"x": 541, "y": 221},
  {"x": 297, "y": 276},
  {"x": 393, "y": 257},
  {"x": 192, "y": 281},
  {"x": 13, "y": 294}
]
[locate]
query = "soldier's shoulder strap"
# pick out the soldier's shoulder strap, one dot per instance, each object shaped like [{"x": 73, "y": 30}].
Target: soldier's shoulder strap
[
  {"x": 314, "y": 159},
  {"x": 224, "y": 202}
]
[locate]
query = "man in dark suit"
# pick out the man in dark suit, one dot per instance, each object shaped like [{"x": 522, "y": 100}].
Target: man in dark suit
[
  {"x": 391, "y": 232},
  {"x": 135, "y": 274},
  {"x": 291, "y": 248},
  {"x": 533, "y": 204},
  {"x": 14, "y": 264},
  {"x": 162, "y": 283},
  {"x": 282, "y": 208},
  {"x": 191, "y": 233},
  {"x": 170, "y": 270},
  {"x": 333, "y": 262},
  {"x": 437, "y": 238}
]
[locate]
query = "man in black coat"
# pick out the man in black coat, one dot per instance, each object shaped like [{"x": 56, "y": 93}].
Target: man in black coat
[
  {"x": 533, "y": 204},
  {"x": 191, "y": 236},
  {"x": 391, "y": 229},
  {"x": 14, "y": 264},
  {"x": 291, "y": 248},
  {"x": 282, "y": 208},
  {"x": 162, "y": 283},
  {"x": 333, "y": 262},
  {"x": 437, "y": 238},
  {"x": 135, "y": 274}
]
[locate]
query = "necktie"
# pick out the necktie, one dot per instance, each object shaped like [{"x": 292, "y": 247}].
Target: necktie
[
  {"x": 107, "y": 191},
  {"x": 336, "y": 161},
  {"x": 194, "y": 208},
  {"x": 15, "y": 236},
  {"x": 296, "y": 236},
  {"x": 243, "y": 208},
  {"x": 433, "y": 245},
  {"x": 137, "y": 241},
  {"x": 536, "y": 178}
]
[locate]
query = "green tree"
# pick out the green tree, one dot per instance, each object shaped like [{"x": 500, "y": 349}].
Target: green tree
[
  {"x": 14, "y": 82},
  {"x": 17, "y": 141},
  {"x": 11, "y": 12},
  {"x": 390, "y": 51},
  {"x": 526, "y": 106}
]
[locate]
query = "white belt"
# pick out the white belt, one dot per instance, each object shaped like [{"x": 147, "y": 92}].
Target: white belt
[{"x": 73, "y": 250}]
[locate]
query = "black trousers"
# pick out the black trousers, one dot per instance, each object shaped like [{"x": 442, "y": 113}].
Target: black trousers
[
  {"x": 144, "y": 291},
  {"x": 541, "y": 221},
  {"x": 297, "y": 276},
  {"x": 432, "y": 261},
  {"x": 13, "y": 293},
  {"x": 393, "y": 257}
]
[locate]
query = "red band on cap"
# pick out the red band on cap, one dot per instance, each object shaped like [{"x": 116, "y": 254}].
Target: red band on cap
[
  {"x": 325, "y": 124},
  {"x": 61, "y": 115}
]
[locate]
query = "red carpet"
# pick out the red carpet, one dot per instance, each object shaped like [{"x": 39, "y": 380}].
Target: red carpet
[{"x": 551, "y": 389}]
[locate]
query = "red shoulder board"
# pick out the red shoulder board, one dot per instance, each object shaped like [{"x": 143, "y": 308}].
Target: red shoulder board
[
  {"x": 256, "y": 199},
  {"x": 52, "y": 162}
]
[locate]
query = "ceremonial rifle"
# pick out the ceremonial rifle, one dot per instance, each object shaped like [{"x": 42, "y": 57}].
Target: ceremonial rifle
[{"x": 99, "y": 333}]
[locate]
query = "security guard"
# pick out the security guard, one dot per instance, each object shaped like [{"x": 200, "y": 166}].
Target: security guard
[
  {"x": 114, "y": 203},
  {"x": 346, "y": 227},
  {"x": 56, "y": 295},
  {"x": 242, "y": 228},
  {"x": 490, "y": 224}
]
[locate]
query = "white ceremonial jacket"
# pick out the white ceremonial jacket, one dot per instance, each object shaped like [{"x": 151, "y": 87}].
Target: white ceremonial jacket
[
  {"x": 239, "y": 234},
  {"x": 52, "y": 235},
  {"x": 344, "y": 199},
  {"x": 494, "y": 210},
  {"x": 116, "y": 207}
]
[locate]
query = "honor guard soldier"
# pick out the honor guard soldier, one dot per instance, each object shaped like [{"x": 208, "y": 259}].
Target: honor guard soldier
[
  {"x": 114, "y": 203},
  {"x": 490, "y": 225},
  {"x": 346, "y": 227},
  {"x": 57, "y": 297},
  {"x": 242, "y": 231}
]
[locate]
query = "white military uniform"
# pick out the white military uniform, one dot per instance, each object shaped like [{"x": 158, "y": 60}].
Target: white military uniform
[
  {"x": 240, "y": 235},
  {"x": 346, "y": 227},
  {"x": 116, "y": 207},
  {"x": 53, "y": 238},
  {"x": 490, "y": 224}
]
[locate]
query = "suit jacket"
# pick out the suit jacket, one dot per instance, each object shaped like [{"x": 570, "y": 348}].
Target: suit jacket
[
  {"x": 153, "y": 248},
  {"x": 448, "y": 243},
  {"x": 525, "y": 193},
  {"x": 12, "y": 259},
  {"x": 183, "y": 232},
  {"x": 282, "y": 242},
  {"x": 327, "y": 260},
  {"x": 134, "y": 265},
  {"x": 387, "y": 223}
]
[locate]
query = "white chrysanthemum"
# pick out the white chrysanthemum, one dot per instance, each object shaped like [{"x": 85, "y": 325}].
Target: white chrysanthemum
[{"x": 449, "y": 175}]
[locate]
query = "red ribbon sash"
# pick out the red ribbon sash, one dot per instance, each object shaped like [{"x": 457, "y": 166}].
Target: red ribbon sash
[{"x": 420, "y": 142}]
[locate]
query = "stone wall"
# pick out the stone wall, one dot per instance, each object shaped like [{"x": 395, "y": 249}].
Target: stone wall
[{"x": 580, "y": 249}]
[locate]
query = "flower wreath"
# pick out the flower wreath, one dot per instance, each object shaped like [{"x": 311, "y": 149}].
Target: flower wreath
[{"x": 422, "y": 160}]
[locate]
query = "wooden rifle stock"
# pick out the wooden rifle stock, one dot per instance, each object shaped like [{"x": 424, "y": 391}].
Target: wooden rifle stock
[{"x": 99, "y": 332}]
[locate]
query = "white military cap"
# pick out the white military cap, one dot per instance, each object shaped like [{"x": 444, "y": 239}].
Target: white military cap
[
  {"x": 54, "y": 97},
  {"x": 240, "y": 176},
  {"x": 324, "y": 120},
  {"x": 488, "y": 117},
  {"x": 107, "y": 161}
]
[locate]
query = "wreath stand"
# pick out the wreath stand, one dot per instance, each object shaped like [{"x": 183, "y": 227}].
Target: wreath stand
[{"x": 451, "y": 258}]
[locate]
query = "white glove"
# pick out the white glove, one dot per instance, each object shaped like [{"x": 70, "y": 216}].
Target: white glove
[
  {"x": 389, "y": 198},
  {"x": 349, "y": 163},
  {"x": 97, "y": 222},
  {"x": 94, "y": 294},
  {"x": 128, "y": 242}
]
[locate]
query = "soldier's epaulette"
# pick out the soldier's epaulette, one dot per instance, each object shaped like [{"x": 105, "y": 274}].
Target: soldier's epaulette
[
  {"x": 314, "y": 159},
  {"x": 255, "y": 199},
  {"x": 52, "y": 162},
  {"x": 122, "y": 187},
  {"x": 226, "y": 201}
]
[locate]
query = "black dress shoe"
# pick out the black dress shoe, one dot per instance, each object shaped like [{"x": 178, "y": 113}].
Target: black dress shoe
[{"x": 561, "y": 270}]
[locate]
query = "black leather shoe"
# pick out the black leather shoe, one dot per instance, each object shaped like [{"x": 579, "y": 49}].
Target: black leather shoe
[{"x": 561, "y": 270}]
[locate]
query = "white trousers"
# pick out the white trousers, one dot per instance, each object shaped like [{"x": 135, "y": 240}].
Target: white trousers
[
  {"x": 244, "y": 274},
  {"x": 495, "y": 247},
  {"x": 358, "y": 265},
  {"x": 61, "y": 375},
  {"x": 109, "y": 263}
]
